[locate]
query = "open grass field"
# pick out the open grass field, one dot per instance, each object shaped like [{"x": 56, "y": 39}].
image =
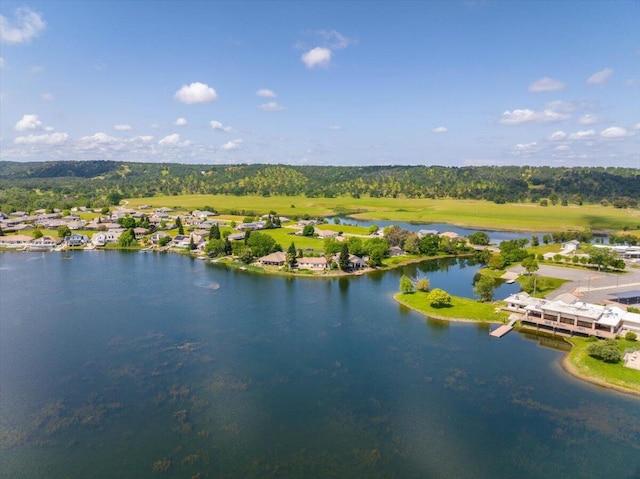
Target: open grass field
[
  {"x": 469, "y": 213},
  {"x": 460, "y": 309},
  {"x": 594, "y": 369}
]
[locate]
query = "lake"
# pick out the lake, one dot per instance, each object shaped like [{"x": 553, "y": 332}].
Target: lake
[{"x": 135, "y": 365}]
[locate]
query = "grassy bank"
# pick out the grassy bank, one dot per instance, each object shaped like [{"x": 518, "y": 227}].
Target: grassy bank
[
  {"x": 615, "y": 376},
  {"x": 469, "y": 213},
  {"x": 461, "y": 309}
]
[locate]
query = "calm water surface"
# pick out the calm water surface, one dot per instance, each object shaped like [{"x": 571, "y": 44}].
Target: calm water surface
[{"x": 145, "y": 365}]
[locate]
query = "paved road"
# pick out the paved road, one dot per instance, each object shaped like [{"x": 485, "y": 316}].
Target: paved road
[{"x": 590, "y": 286}]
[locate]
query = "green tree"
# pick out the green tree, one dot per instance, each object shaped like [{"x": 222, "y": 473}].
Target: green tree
[
  {"x": 429, "y": 245},
  {"x": 308, "y": 230},
  {"x": 245, "y": 255},
  {"x": 215, "y": 247},
  {"x": 291, "y": 256},
  {"x": 480, "y": 238},
  {"x": 607, "y": 351},
  {"x": 423, "y": 284},
  {"x": 63, "y": 231},
  {"x": 179, "y": 226},
  {"x": 439, "y": 298},
  {"x": 262, "y": 244},
  {"x": 127, "y": 222},
  {"x": 373, "y": 229},
  {"x": 484, "y": 287},
  {"x": 602, "y": 257},
  {"x": 406, "y": 285},
  {"x": 214, "y": 232},
  {"x": 37, "y": 233},
  {"x": 164, "y": 241},
  {"x": 530, "y": 264},
  {"x": 114, "y": 198},
  {"x": 127, "y": 239},
  {"x": 192, "y": 243},
  {"x": 343, "y": 259}
]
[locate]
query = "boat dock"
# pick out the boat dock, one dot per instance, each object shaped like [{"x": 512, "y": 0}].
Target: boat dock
[{"x": 505, "y": 328}]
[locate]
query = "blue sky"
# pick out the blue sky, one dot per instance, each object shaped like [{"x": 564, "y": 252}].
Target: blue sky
[{"x": 325, "y": 83}]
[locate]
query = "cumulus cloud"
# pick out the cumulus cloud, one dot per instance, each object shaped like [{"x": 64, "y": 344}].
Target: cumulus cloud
[
  {"x": 525, "y": 148},
  {"x": 582, "y": 135},
  {"x": 557, "y": 135},
  {"x": 271, "y": 106},
  {"x": 563, "y": 148},
  {"x": 546, "y": 84},
  {"x": 317, "y": 57},
  {"x": 99, "y": 139},
  {"x": 47, "y": 96},
  {"x": 170, "y": 140},
  {"x": 143, "y": 139},
  {"x": 231, "y": 145},
  {"x": 45, "y": 139},
  {"x": 601, "y": 77},
  {"x": 196, "y": 93},
  {"x": 335, "y": 127},
  {"x": 180, "y": 122},
  {"x": 440, "y": 129},
  {"x": 588, "y": 119},
  {"x": 28, "y": 122},
  {"x": 217, "y": 125},
  {"x": 614, "y": 132},
  {"x": 26, "y": 25},
  {"x": 122, "y": 127},
  {"x": 517, "y": 117},
  {"x": 636, "y": 126},
  {"x": 265, "y": 92}
]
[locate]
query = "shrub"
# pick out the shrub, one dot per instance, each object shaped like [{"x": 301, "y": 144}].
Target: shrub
[
  {"x": 631, "y": 336},
  {"x": 607, "y": 351},
  {"x": 439, "y": 298}
]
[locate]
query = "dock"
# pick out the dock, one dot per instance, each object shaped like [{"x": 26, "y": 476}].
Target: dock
[{"x": 505, "y": 328}]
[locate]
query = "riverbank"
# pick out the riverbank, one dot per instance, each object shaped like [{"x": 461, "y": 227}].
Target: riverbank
[{"x": 616, "y": 376}]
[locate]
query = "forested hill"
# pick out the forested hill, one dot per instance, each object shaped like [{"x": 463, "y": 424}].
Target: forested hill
[{"x": 39, "y": 184}]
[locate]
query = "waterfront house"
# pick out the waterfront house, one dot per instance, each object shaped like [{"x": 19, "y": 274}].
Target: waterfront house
[
  {"x": 15, "y": 241},
  {"x": 76, "y": 240},
  {"x": 274, "y": 259},
  {"x": 44, "y": 243},
  {"x": 313, "y": 263}
]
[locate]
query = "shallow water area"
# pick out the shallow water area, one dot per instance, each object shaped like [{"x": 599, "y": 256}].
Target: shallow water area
[{"x": 144, "y": 365}]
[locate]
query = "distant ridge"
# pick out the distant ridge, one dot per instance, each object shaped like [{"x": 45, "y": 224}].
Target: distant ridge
[{"x": 80, "y": 180}]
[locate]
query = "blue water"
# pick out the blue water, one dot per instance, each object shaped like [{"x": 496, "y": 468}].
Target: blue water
[{"x": 115, "y": 364}]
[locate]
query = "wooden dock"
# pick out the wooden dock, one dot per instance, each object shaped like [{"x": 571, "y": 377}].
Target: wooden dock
[{"x": 505, "y": 328}]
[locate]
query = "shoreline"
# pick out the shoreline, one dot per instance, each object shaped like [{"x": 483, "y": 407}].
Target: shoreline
[
  {"x": 573, "y": 371},
  {"x": 566, "y": 364}
]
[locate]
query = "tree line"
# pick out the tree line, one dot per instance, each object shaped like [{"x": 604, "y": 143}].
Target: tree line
[{"x": 35, "y": 185}]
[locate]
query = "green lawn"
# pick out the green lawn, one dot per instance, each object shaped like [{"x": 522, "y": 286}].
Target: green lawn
[
  {"x": 470, "y": 213},
  {"x": 615, "y": 374},
  {"x": 461, "y": 308}
]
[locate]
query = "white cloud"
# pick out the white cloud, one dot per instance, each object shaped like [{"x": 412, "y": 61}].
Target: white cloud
[
  {"x": 26, "y": 25},
  {"x": 99, "y": 139},
  {"x": 122, "y": 127},
  {"x": 170, "y": 140},
  {"x": 601, "y": 77},
  {"x": 614, "y": 132},
  {"x": 143, "y": 139},
  {"x": 231, "y": 145},
  {"x": 582, "y": 135},
  {"x": 46, "y": 139},
  {"x": 588, "y": 119},
  {"x": 636, "y": 126},
  {"x": 517, "y": 117},
  {"x": 35, "y": 69},
  {"x": 49, "y": 128},
  {"x": 265, "y": 92},
  {"x": 525, "y": 148},
  {"x": 317, "y": 57},
  {"x": 335, "y": 40},
  {"x": 28, "y": 122},
  {"x": 557, "y": 135},
  {"x": 546, "y": 84},
  {"x": 2, "y": 62},
  {"x": 271, "y": 106},
  {"x": 216, "y": 125},
  {"x": 631, "y": 82},
  {"x": 335, "y": 127},
  {"x": 440, "y": 129},
  {"x": 563, "y": 148},
  {"x": 47, "y": 96},
  {"x": 180, "y": 122},
  {"x": 196, "y": 93}
]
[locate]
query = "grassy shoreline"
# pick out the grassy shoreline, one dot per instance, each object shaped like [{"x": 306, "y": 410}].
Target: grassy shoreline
[{"x": 463, "y": 310}]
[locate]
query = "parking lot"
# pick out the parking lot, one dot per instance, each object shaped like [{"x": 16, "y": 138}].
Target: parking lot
[{"x": 591, "y": 286}]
